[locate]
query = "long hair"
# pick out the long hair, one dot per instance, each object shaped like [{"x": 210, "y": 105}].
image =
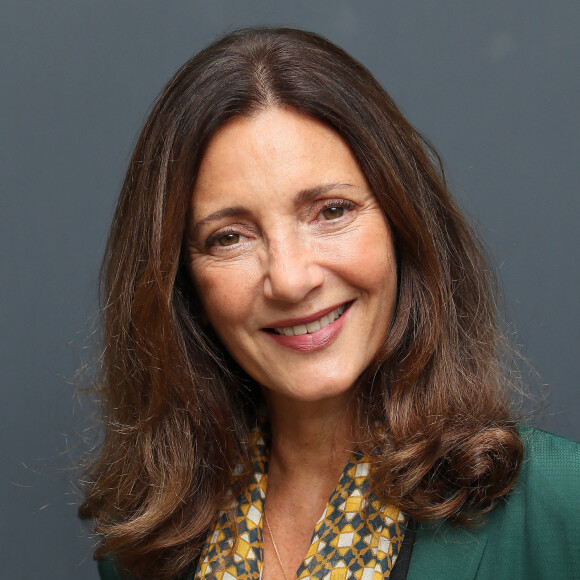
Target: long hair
[{"x": 177, "y": 410}]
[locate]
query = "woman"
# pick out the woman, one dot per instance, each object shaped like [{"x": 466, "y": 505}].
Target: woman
[{"x": 289, "y": 289}]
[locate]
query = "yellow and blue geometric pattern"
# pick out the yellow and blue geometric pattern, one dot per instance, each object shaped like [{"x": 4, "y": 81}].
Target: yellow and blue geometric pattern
[{"x": 357, "y": 537}]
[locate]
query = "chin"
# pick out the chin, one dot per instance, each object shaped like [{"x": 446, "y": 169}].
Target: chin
[{"x": 340, "y": 388}]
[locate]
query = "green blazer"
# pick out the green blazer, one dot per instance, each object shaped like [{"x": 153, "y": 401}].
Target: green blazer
[{"x": 533, "y": 535}]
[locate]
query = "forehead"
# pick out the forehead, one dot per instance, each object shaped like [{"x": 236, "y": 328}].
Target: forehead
[{"x": 277, "y": 151}]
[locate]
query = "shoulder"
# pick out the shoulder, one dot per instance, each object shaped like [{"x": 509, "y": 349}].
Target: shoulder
[
  {"x": 549, "y": 459},
  {"x": 546, "y": 494},
  {"x": 108, "y": 569},
  {"x": 531, "y": 534},
  {"x": 535, "y": 530}
]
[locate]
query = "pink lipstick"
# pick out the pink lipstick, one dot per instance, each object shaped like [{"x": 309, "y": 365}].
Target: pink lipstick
[{"x": 312, "y": 332}]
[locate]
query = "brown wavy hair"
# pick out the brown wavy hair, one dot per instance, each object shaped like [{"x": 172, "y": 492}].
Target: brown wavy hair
[{"x": 177, "y": 409}]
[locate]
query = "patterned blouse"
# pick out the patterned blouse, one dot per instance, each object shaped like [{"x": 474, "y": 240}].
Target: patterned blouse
[{"x": 356, "y": 537}]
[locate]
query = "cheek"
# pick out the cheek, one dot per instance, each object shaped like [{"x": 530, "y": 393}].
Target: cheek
[
  {"x": 370, "y": 256},
  {"x": 226, "y": 295}
]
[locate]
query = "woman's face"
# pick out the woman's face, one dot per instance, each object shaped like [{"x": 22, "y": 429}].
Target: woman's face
[{"x": 291, "y": 255}]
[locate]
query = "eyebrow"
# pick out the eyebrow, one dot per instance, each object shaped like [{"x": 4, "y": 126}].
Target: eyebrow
[
  {"x": 302, "y": 197},
  {"x": 234, "y": 211},
  {"x": 310, "y": 194}
]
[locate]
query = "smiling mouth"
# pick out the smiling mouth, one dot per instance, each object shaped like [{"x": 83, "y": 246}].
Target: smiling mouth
[{"x": 314, "y": 326}]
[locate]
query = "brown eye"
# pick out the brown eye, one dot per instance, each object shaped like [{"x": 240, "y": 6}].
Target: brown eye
[
  {"x": 333, "y": 212},
  {"x": 229, "y": 239}
]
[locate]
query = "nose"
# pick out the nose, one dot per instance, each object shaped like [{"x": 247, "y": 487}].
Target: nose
[{"x": 293, "y": 270}]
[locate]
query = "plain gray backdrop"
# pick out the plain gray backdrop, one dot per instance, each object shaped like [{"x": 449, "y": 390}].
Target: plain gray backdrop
[{"x": 494, "y": 85}]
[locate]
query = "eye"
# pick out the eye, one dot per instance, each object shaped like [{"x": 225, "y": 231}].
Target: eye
[
  {"x": 228, "y": 239},
  {"x": 332, "y": 212},
  {"x": 335, "y": 209}
]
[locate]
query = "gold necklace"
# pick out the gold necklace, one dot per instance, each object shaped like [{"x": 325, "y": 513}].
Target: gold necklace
[{"x": 274, "y": 544}]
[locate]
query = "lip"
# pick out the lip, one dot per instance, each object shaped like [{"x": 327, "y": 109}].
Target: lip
[
  {"x": 306, "y": 319},
  {"x": 317, "y": 340}
]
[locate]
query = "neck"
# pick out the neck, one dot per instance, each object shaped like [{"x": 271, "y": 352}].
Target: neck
[
  {"x": 312, "y": 438},
  {"x": 311, "y": 443}
]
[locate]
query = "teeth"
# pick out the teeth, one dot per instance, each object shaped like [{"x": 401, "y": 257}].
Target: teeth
[
  {"x": 312, "y": 326},
  {"x": 300, "y": 329}
]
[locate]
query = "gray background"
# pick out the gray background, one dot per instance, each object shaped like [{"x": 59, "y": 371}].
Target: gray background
[{"x": 493, "y": 84}]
